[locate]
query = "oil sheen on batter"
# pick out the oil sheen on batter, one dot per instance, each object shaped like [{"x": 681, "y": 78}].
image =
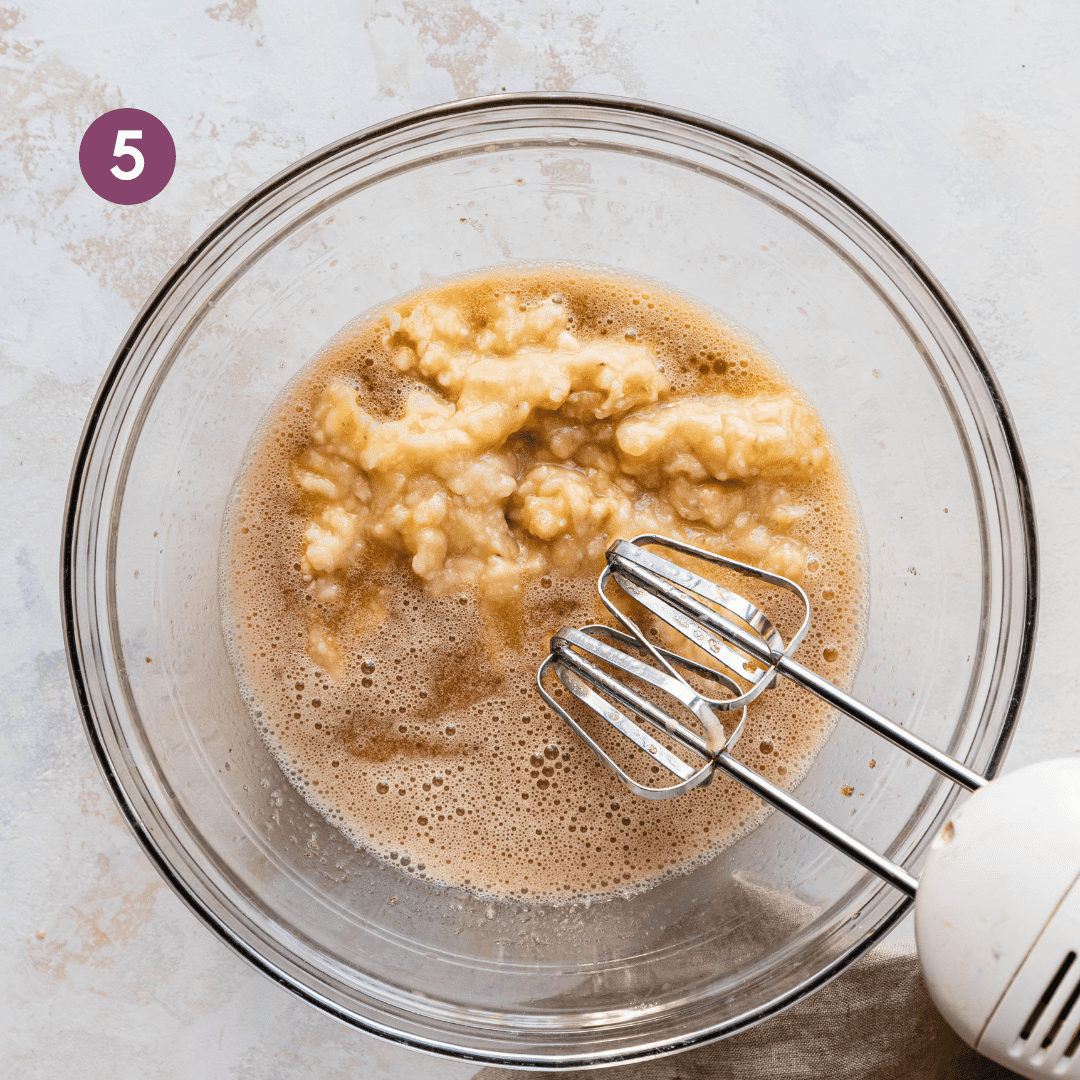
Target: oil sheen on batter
[{"x": 431, "y": 499}]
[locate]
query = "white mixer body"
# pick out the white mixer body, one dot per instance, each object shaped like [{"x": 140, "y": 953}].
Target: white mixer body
[{"x": 997, "y": 920}]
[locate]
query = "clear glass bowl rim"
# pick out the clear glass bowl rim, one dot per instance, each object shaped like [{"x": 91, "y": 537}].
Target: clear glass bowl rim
[{"x": 400, "y": 125}]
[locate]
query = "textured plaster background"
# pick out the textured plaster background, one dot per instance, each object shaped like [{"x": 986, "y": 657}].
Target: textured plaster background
[{"x": 956, "y": 122}]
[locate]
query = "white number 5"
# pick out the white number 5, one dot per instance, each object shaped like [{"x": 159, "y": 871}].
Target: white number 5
[{"x": 123, "y": 150}]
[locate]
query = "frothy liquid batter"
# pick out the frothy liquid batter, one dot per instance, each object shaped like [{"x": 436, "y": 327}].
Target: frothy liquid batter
[{"x": 431, "y": 499}]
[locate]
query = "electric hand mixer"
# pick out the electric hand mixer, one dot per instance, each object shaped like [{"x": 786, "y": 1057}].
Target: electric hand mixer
[{"x": 997, "y": 909}]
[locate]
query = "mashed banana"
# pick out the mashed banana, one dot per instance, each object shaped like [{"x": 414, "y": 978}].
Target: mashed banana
[{"x": 603, "y": 450}]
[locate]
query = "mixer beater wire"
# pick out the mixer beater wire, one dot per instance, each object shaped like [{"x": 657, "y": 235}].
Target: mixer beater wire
[{"x": 619, "y": 674}]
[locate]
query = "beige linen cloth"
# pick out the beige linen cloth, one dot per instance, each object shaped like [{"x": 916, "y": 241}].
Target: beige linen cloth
[{"x": 875, "y": 1021}]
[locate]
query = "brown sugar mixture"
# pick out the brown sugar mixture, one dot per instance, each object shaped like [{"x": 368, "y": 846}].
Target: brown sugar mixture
[{"x": 430, "y": 500}]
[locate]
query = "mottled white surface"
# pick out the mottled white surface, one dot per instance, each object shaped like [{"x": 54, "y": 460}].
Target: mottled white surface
[{"x": 956, "y": 122}]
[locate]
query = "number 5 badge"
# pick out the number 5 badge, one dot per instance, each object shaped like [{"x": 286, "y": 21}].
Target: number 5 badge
[{"x": 127, "y": 156}]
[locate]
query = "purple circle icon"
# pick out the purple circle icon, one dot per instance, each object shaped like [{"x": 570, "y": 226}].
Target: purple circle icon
[{"x": 127, "y": 156}]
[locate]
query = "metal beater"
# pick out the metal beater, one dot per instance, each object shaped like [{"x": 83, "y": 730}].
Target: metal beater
[{"x": 749, "y": 655}]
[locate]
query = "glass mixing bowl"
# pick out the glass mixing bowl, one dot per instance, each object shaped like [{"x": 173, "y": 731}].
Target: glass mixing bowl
[{"x": 843, "y": 305}]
